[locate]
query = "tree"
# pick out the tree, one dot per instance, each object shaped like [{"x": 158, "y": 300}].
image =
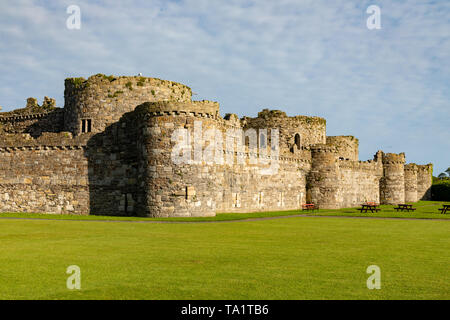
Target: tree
[
  {"x": 442, "y": 176},
  {"x": 448, "y": 171}
]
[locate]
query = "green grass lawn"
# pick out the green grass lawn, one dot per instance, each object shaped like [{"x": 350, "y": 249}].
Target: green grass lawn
[
  {"x": 293, "y": 258},
  {"x": 425, "y": 210}
]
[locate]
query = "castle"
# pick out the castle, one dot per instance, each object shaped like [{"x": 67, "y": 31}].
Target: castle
[{"x": 109, "y": 151}]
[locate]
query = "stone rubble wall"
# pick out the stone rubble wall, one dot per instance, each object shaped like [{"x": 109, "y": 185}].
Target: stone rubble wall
[
  {"x": 359, "y": 182},
  {"x": 40, "y": 176}
]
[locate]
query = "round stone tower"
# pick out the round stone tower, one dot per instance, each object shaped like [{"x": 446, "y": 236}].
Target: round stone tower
[
  {"x": 93, "y": 104},
  {"x": 424, "y": 181},
  {"x": 295, "y": 132},
  {"x": 176, "y": 177},
  {"x": 322, "y": 182},
  {"x": 392, "y": 185},
  {"x": 411, "y": 182}
]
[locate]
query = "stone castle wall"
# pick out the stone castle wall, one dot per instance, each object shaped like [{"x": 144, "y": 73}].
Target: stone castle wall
[
  {"x": 49, "y": 174},
  {"x": 125, "y": 165}
]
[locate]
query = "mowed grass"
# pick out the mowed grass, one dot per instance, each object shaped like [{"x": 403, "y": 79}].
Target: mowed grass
[
  {"x": 424, "y": 210},
  {"x": 292, "y": 258}
]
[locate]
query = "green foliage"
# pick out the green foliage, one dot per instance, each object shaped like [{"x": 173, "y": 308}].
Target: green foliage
[
  {"x": 129, "y": 85},
  {"x": 110, "y": 78},
  {"x": 440, "y": 190},
  {"x": 153, "y": 92},
  {"x": 115, "y": 95},
  {"x": 78, "y": 83},
  {"x": 141, "y": 82}
]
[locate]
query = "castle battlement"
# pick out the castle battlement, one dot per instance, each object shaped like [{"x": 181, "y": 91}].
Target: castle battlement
[{"x": 111, "y": 151}]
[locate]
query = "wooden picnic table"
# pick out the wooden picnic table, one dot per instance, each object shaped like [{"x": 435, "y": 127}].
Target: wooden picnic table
[
  {"x": 404, "y": 207},
  {"x": 445, "y": 208},
  {"x": 309, "y": 206},
  {"x": 369, "y": 206}
]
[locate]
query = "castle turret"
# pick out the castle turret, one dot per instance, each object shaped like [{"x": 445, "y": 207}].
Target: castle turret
[
  {"x": 295, "y": 132},
  {"x": 424, "y": 181},
  {"x": 93, "y": 104},
  {"x": 392, "y": 185},
  {"x": 175, "y": 176},
  {"x": 411, "y": 182},
  {"x": 346, "y": 146},
  {"x": 323, "y": 184}
]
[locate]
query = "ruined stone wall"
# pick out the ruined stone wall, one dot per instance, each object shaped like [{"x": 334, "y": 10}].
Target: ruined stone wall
[
  {"x": 105, "y": 99},
  {"x": 392, "y": 185},
  {"x": 359, "y": 182},
  {"x": 34, "y": 123},
  {"x": 411, "y": 182},
  {"x": 56, "y": 173},
  {"x": 424, "y": 181},
  {"x": 346, "y": 146},
  {"x": 48, "y": 174}
]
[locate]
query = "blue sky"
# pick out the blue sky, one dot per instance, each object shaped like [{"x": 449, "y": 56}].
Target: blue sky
[{"x": 387, "y": 87}]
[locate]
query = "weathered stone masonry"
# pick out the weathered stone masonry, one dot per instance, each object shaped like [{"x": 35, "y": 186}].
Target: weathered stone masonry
[{"x": 108, "y": 152}]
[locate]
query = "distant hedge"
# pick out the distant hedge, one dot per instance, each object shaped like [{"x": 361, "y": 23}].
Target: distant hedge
[{"x": 440, "y": 190}]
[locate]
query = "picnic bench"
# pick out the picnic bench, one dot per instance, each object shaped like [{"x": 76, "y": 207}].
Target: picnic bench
[
  {"x": 404, "y": 207},
  {"x": 309, "y": 207},
  {"x": 372, "y": 206},
  {"x": 445, "y": 208}
]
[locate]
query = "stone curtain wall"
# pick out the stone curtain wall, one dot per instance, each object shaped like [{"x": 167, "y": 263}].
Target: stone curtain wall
[
  {"x": 359, "y": 182},
  {"x": 49, "y": 174},
  {"x": 34, "y": 124}
]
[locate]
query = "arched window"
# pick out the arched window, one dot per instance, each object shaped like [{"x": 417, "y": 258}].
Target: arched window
[{"x": 297, "y": 140}]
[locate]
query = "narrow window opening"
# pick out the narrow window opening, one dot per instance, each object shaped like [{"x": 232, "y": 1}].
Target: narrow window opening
[
  {"x": 297, "y": 140},
  {"x": 86, "y": 125}
]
